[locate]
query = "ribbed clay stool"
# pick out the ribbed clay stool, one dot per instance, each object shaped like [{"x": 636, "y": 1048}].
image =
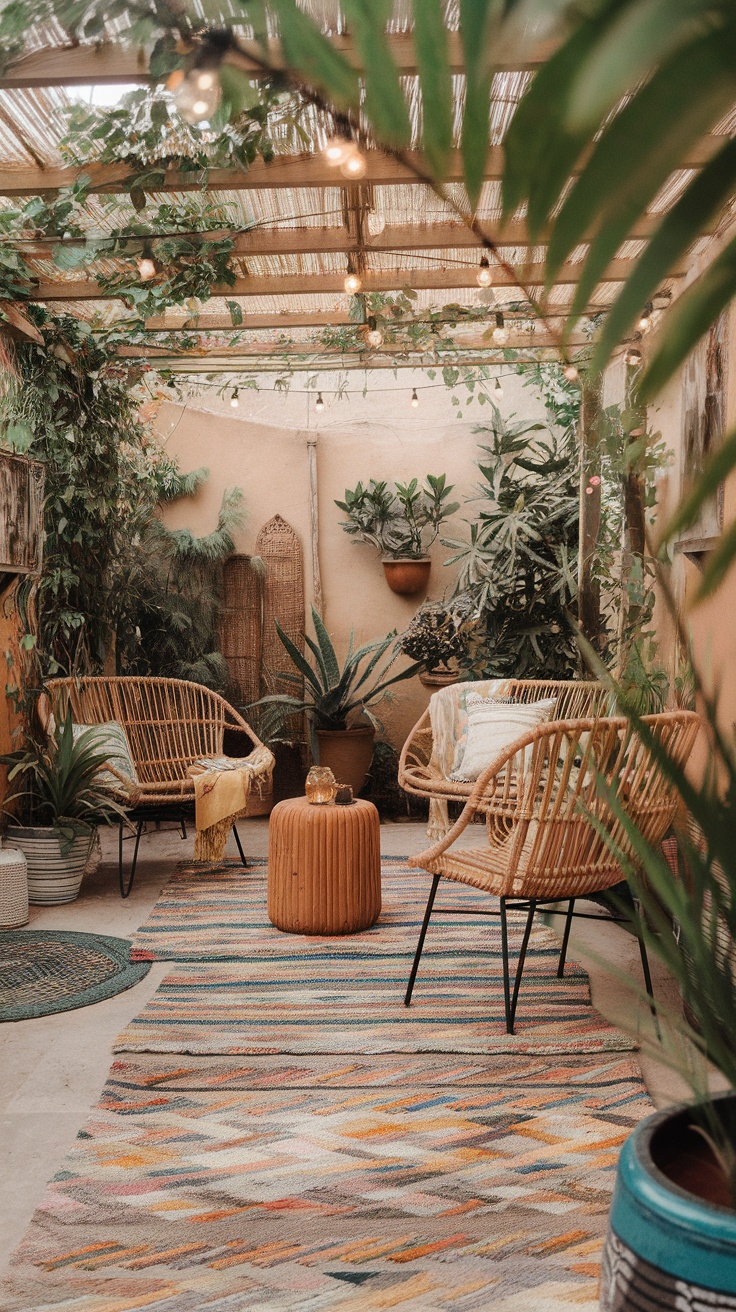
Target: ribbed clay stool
[{"x": 324, "y": 867}]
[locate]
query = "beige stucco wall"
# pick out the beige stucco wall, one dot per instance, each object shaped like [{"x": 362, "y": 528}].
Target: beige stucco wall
[{"x": 262, "y": 448}]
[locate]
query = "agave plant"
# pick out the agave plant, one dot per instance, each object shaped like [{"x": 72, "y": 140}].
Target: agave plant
[
  {"x": 335, "y": 693},
  {"x": 64, "y": 785}
]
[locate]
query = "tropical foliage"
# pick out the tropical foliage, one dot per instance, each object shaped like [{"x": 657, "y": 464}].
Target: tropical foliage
[
  {"x": 401, "y": 521},
  {"x": 443, "y": 631},
  {"x": 518, "y": 563},
  {"x": 335, "y": 692}
]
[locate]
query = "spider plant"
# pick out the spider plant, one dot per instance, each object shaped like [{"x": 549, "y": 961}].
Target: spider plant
[
  {"x": 335, "y": 692},
  {"x": 63, "y": 789}
]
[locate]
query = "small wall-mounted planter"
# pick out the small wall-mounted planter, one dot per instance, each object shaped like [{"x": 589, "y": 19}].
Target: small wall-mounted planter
[{"x": 407, "y": 577}]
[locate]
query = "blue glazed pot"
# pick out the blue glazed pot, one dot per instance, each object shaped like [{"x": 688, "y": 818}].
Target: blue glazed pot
[{"x": 666, "y": 1248}]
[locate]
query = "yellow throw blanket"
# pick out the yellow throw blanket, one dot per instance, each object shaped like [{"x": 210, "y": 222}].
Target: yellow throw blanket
[{"x": 222, "y": 787}]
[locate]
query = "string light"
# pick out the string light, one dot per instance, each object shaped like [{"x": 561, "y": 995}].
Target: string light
[
  {"x": 374, "y": 336},
  {"x": 415, "y": 398},
  {"x": 483, "y": 276},
  {"x": 234, "y": 399},
  {"x": 571, "y": 373},
  {"x": 344, "y": 155},
  {"x": 500, "y": 334},
  {"x": 319, "y": 404},
  {"x": 197, "y": 94},
  {"x": 498, "y": 389},
  {"x": 645, "y": 322},
  {"x": 353, "y": 283},
  {"x": 146, "y": 268},
  {"x": 632, "y": 357}
]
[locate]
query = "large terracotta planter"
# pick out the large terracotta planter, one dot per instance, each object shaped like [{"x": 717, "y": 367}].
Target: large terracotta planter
[
  {"x": 667, "y": 1248},
  {"x": 407, "y": 577},
  {"x": 348, "y": 753},
  {"x": 54, "y": 876}
]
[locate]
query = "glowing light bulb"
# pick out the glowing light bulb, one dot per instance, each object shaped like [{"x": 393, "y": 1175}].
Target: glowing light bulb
[
  {"x": 633, "y": 357},
  {"x": 374, "y": 337},
  {"x": 355, "y": 165},
  {"x": 645, "y": 320},
  {"x": 484, "y": 276},
  {"x": 319, "y": 404},
  {"x": 415, "y": 399},
  {"x": 376, "y": 223},
  {"x": 204, "y": 81},
  {"x": 500, "y": 334},
  {"x": 571, "y": 373},
  {"x": 146, "y": 268},
  {"x": 498, "y": 389},
  {"x": 198, "y": 96},
  {"x": 234, "y": 399},
  {"x": 353, "y": 283},
  {"x": 337, "y": 150}
]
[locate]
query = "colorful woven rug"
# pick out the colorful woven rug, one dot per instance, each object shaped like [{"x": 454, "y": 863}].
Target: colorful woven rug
[
  {"x": 288, "y": 993},
  {"x": 316, "y": 1185},
  {"x": 44, "y": 971}
]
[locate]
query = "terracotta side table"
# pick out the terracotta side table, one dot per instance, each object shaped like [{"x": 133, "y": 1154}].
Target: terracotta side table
[{"x": 324, "y": 867}]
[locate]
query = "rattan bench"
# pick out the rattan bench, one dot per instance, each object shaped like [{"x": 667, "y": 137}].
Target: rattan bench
[{"x": 169, "y": 724}]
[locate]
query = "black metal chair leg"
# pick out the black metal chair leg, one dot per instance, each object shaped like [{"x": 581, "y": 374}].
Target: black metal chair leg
[
  {"x": 510, "y": 998},
  {"x": 238, "y": 844},
  {"x": 126, "y": 887},
  {"x": 565, "y": 939},
  {"x": 183, "y": 826},
  {"x": 647, "y": 978},
  {"x": 422, "y": 936}
]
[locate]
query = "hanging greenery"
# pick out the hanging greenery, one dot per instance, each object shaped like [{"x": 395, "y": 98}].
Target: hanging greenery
[{"x": 107, "y": 597}]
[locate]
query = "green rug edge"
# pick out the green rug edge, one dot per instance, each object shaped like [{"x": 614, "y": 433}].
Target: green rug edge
[{"x": 118, "y": 949}]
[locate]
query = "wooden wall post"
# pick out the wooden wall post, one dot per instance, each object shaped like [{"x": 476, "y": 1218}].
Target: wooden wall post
[{"x": 589, "y": 600}]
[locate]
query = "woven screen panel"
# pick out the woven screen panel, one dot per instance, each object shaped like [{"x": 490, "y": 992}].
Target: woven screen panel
[
  {"x": 283, "y": 599},
  {"x": 241, "y": 623}
]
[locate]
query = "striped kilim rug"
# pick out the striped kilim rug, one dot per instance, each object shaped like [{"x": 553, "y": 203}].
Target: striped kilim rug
[
  {"x": 287, "y": 993},
  {"x": 421, "y": 1184}
]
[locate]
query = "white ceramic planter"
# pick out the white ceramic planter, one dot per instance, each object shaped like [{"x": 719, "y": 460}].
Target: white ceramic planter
[{"x": 53, "y": 876}]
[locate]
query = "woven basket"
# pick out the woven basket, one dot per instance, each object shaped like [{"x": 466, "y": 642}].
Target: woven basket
[
  {"x": 283, "y": 600},
  {"x": 13, "y": 887},
  {"x": 53, "y": 876}
]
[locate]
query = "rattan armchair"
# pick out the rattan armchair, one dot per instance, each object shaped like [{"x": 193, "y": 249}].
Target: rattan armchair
[
  {"x": 424, "y": 765},
  {"x": 169, "y": 724},
  {"x": 542, "y": 799}
]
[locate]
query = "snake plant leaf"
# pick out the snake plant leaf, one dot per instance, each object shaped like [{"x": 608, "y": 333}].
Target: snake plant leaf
[
  {"x": 642, "y": 146},
  {"x": 385, "y": 106},
  {"x": 309, "y": 51},
  {"x": 302, "y": 665},
  {"x": 699, "y": 204},
  {"x": 435, "y": 80},
  {"x": 325, "y": 645},
  {"x": 475, "y": 21},
  {"x": 689, "y": 319},
  {"x": 406, "y": 673},
  {"x": 540, "y": 151},
  {"x": 640, "y": 36},
  {"x": 715, "y": 471},
  {"x": 318, "y": 657}
]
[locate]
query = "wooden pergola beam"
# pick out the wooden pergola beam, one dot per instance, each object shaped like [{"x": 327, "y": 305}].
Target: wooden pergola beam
[
  {"x": 290, "y": 171},
  {"x": 114, "y": 63},
  {"x": 517, "y": 340},
  {"x": 337, "y": 240},
  {"x": 212, "y": 323},
  {"x": 303, "y": 284}
]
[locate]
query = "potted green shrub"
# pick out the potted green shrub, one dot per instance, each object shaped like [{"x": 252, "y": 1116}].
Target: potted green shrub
[
  {"x": 338, "y": 698},
  {"x": 440, "y": 636},
  {"x": 401, "y": 522},
  {"x": 54, "y": 816}
]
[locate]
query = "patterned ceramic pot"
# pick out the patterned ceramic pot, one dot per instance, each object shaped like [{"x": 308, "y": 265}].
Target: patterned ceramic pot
[
  {"x": 54, "y": 876},
  {"x": 666, "y": 1249}
]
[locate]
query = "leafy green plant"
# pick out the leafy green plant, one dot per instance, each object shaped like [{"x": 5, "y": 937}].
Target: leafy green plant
[
  {"x": 63, "y": 789},
  {"x": 518, "y": 565},
  {"x": 335, "y": 692},
  {"x": 442, "y": 631},
  {"x": 401, "y": 521}
]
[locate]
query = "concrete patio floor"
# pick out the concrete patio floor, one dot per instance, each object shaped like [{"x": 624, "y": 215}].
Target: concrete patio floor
[{"x": 54, "y": 1067}]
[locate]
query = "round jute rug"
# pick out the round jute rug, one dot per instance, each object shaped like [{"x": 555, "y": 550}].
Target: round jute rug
[{"x": 42, "y": 971}]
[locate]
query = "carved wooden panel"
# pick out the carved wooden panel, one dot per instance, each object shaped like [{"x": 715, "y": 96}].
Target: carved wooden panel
[
  {"x": 21, "y": 514},
  {"x": 283, "y": 599}
]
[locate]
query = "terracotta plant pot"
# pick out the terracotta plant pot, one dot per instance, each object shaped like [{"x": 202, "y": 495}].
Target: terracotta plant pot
[
  {"x": 407, "y": 577},
  {"x": 672, "y": 1237},
  {"x": 348, "y": 753},
  {"x": 438, "y": 678}
]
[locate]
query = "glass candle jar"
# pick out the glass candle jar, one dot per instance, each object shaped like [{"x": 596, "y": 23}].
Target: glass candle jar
[{"x": 321, "y": 785}]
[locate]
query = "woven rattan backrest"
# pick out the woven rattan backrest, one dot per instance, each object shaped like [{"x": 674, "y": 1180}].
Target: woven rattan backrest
[
  {"x": 549, "y": 801},
  {"x": 169, "y": 723},
  {"x": 576, "y": 698}
]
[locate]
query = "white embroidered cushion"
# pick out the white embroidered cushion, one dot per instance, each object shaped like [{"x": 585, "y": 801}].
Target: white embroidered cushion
[{"x": 492, "y": 726}]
